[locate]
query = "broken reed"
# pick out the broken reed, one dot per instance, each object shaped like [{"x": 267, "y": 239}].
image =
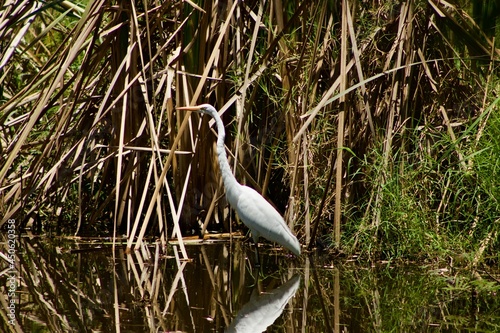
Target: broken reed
[{"x": 307, "y": 90}]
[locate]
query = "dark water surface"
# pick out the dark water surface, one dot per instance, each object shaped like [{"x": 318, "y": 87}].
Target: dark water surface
[{"x": 66, "y": 285}]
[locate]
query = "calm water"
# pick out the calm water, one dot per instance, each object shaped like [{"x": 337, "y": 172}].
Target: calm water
[{"x": 77, "y": 286}]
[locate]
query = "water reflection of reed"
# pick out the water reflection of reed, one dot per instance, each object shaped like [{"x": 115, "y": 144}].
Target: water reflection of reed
[
  {"x": 83, "y": 286},
  {"x": 77, "y": 286}
]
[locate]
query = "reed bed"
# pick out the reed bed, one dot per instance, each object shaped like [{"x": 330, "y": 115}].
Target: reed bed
[{"x": 370, "y": 123}]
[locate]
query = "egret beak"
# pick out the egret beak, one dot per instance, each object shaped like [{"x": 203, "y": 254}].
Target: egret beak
[{"x": 189, "y": 108}]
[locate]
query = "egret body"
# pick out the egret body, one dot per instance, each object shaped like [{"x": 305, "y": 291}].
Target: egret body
[{"x": 255, "y": 212}]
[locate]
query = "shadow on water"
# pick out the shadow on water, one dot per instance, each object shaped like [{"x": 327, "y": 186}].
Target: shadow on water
[{"x": 76, "y": 286}]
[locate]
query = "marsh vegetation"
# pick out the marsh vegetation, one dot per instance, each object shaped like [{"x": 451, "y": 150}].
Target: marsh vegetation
[
  {"x": 83, "y": 285},
  {"x": 373, "y": 126}
]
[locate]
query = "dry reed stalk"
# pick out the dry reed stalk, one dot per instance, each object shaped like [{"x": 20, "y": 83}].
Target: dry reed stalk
[
  {"x": 322, "y": 43},
  {"x": 452, "y": 136},
  {"x": 210, "y": 212},
  {"x": 290, "y": 213},
  {"x": 483, "y": 123},
  {"x": 357, "y": 58},
  {"x": 119, "y": 121},
  {"x": 242, "y": 134},
  {"x": 246, "y": 83},
  {"x": 307, "y": 216},
  {"x": 340, "y": 126}
]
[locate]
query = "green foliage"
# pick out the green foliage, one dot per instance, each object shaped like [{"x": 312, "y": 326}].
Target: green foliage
[{"x": 433, "y": 205}]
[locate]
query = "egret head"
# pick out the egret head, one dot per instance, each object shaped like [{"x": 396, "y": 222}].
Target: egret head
[{"x": 202, "y": 108}]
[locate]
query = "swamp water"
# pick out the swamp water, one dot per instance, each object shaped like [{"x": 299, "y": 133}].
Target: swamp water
[{"x": 70, "y": 285}]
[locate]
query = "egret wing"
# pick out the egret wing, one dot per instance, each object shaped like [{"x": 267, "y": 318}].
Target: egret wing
[{"x": 262, "y": 219}]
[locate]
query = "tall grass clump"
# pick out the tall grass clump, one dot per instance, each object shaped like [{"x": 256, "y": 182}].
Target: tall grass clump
[{"x": 439, "y": 204}]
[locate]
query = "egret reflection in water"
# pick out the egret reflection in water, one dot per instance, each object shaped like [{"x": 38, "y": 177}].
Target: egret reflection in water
[{"x": 261, "y": 311}]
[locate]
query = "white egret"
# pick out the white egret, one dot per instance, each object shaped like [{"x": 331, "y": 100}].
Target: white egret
[{"x": 255, "y": 212}]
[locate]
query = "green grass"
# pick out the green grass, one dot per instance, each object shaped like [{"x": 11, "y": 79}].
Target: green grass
[{"x": 433, "y": 205}]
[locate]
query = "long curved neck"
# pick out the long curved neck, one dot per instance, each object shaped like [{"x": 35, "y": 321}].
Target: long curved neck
[{"x": 228, "y": 178}]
